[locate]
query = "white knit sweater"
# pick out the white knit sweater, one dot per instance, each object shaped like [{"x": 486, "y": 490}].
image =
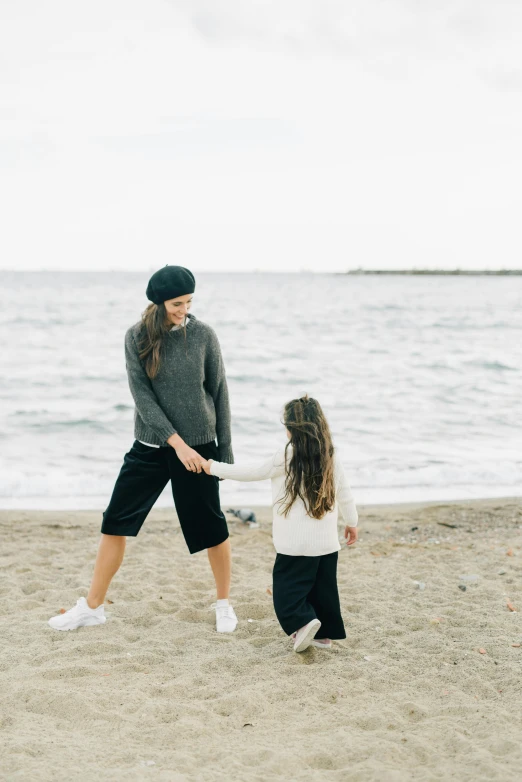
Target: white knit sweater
[{"x": 298, "y": 534}]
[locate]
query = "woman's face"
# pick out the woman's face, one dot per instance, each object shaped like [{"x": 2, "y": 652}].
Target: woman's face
[{"x": 177, "y": 308}]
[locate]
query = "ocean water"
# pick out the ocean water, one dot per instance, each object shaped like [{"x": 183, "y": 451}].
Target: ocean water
[{"x": 420, "y": 378}]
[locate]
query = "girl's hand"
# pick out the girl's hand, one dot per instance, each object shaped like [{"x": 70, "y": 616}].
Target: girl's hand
[
  {"x": 350, "y": 533},
  {"x": 206, "y": 465}
]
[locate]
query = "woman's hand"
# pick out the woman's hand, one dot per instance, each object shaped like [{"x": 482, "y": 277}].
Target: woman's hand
[
  {"x": 350, "y": 533},
  {"x": 190, "y": 458}
]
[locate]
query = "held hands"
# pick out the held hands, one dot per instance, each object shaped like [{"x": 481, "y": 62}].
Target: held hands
[
  {"x": 206, "y": 465},
  {"x": 190, "y": 458},
  {"x": 350, "y": 533},
  {"x": 187, "y": 455}
]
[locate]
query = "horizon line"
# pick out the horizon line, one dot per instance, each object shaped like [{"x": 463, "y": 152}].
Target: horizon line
[{"x": 353, "y": 272}]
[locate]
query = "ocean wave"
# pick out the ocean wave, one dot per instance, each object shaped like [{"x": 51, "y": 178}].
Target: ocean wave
[
  {"x": 496, "y": 365},
  {"x": 46, "y": 322},
  {"x": 231, "y": 377},
  {"x": 57, "y": 425},
  {"x": 28, "y": 413}
]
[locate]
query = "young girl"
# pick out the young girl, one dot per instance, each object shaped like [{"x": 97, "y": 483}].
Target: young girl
[
  {"x": 309, "y": 488},
  {"x": 177, "y": 378}
]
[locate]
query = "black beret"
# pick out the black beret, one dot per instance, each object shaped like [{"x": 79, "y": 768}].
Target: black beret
[{"x": 169, "y": 283}]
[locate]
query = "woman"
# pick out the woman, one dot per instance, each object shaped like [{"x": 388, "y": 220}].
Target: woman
[{"x": 177, "y": 378}]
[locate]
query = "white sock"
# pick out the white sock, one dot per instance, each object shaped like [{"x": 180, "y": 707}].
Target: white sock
[{"x": 222, "y": 602}]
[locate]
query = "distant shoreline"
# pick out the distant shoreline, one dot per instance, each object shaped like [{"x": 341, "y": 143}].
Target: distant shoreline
[
  {"x": 294, "y": 272},
  {"x": 438, "y": 272},
  {"x": 61, "y": 515}
]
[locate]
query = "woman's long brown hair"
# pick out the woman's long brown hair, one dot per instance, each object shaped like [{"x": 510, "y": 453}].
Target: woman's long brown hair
[
  {"x": 310, "y": 473},
  {"x": 155, "y": 325}
]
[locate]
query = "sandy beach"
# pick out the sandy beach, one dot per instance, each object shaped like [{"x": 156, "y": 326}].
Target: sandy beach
[{"x": 156, "y": 693}]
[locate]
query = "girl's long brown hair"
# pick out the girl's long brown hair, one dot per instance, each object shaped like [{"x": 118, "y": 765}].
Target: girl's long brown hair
[
  {"x": 310, "y": 473},
  {"x": 155, "y": 325}
]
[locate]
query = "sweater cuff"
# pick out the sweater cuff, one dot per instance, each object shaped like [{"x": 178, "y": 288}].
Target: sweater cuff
[
  {"x": 165, "y": 433},
  {"x": 353, "y": 518},
  {"x": 225, "y": 454}
]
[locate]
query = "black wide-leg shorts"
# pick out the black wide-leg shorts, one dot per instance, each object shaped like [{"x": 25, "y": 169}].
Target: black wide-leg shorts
[{"x": 145, "y": 473}]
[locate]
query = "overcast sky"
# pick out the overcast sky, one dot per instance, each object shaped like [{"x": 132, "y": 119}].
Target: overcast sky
[{"x": 298, "y": 134}]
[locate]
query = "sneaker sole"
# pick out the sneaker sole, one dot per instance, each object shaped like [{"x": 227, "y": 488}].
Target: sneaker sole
[
  {"x": 320, "y": 646},
  {"x": 306, "y": 640},
  {"x": 87, "y": 622},
  {"x": 227, "y": 631}
]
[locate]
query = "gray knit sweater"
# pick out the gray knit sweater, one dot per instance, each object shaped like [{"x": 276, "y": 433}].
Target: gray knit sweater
[{"x": 188, "y": 396}]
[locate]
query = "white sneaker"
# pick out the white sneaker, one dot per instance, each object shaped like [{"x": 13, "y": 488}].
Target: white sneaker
[
  {"x": 81, "y": 615},
  {"x": 304, "y": 636},
  {"x": 323, "y": 643},
  {"x": 226, "y": 619}
]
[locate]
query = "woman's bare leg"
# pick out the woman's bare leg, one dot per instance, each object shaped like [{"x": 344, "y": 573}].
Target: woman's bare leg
[
  {"x": 108, "y": 561},
  {"x": 220, "y": 559}
]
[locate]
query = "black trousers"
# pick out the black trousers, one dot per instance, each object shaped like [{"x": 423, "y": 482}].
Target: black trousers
[
  {"x": 305, "y": 588},
  {"x": 145, "y": 473}
]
